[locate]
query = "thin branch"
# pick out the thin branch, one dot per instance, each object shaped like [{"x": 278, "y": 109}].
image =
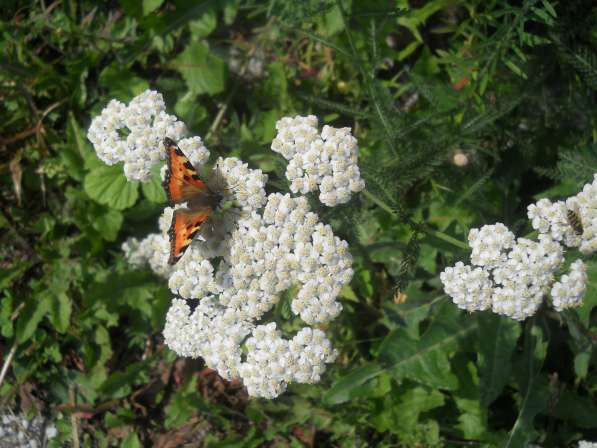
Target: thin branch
[{"x": 7, "y": 362}]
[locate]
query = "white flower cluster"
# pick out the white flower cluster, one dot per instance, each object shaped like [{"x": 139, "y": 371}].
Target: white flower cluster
[
  {"x": 570, "y": 290},
  {"x": 217, "y": 334},
  {"x": 326, "y": 161},
  {"x": 265, "y": 255},
  {"x": 134, "y": 134},
  {"x": 17, "y": 431},
  {"x": 587, "y": 444},
  {"x": 552, "y": 218},
  {"x": 154, "y": 249},
  {"x": 512, "y": 276},
  {"x": 251, "y": 251}
]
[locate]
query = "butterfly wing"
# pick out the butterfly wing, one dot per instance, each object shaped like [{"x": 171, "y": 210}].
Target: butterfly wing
[
  {"x": 182, "y": 182},
  {"x": 185, "y": 224}
]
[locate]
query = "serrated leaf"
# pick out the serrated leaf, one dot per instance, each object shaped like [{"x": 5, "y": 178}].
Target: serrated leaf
[
  {"x": 107, "y": 185},
  {"x": 342, "y": 389},
  {"x": 120, "y": 384},
  {"x": 426, "y": 360},
  {"x": 185, "y": 402},
  {"x": 202, "y": 71},
  {"x": 497, "y": 341}
]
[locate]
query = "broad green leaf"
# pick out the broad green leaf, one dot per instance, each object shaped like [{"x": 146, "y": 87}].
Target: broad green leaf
[
  {"x": 151, "y": 5},
  {"x": 131, "y": 441},
  {"x": 580, "y": 411},
  {"x": 410, "y": 313},
  {"x": 60, "y": 311},
  {"x": 107, "y": 222},
  {"x": 107, "y": 185},
  {"x": 342, "y": 389},
  {"x": 34, "y": 311},
  {"x": 121, "y": 83},
  {"x": 533, "y": 388},
  {"x": 497, "y": 341},
  {"x": 413, "y": 402},
  {"x": 153, "y": 189},
  {"x": 202, "y": 71},
  {"x": 426, "y": 360},
  {"x": 190, "y": 110},
  {"x": 204, "y": 25}
]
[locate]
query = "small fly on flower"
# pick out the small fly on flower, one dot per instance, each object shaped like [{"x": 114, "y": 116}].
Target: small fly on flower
[{"x": 575, "y": 221}]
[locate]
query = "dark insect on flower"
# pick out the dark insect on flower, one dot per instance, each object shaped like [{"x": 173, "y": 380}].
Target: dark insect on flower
[{"x": 575, "y": 221}]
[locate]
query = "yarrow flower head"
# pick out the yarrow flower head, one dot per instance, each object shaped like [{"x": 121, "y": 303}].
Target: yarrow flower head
[
  {"x": 554, "y": 218},
  {"x": 240, "y": 265},
  {"x": 570, "y": 290},
  {"x": 514, "y": 275},
  {"x": 134, "y": 133},
  {"x": 326, "y": 161}
]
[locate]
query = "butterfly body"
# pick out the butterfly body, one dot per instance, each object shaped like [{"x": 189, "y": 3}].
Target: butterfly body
[{"x": 183, "y": 185}]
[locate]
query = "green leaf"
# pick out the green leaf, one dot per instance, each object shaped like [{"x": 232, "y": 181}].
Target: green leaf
[
  {"x": 120, "y": 384},
  {"x": 131, "y": 441},
  {"x": 190, "y": 110},
  {"x": 409, "y": 314},
  {"x": 413, "y": 402},
  {"x": 204, "y": 25},
  {"x": 184, "y": 403},
  {"x": 151, "y": 5},
  {"x": 515, "y": 68},
  {"x": 106, "y": 221},
  {"x": 6, "y": 310},
  {"x": 121, "y": 83},
  {"x": 60, "y": 311},
  {"x": 107, "y": 185},
  {"x": 426, "y": 360},
  {"x": 202, "y": 71},
  {"x": 581, "y": 411},
  {"x": 34, "y": 311},
  {"x": 342, "y": 389},
  {"x": 497, "y": 341},
  {"x": 153, "y": 189},
  {"x": 590, "y": 299},
  {"x": 533, "y": 388}
]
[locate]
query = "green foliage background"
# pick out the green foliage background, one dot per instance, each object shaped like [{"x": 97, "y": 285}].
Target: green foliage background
[{"x": 508, "y": 85}]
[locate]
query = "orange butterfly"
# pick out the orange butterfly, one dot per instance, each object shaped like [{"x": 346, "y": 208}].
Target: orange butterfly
[{"x": 182, "y": 184}]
